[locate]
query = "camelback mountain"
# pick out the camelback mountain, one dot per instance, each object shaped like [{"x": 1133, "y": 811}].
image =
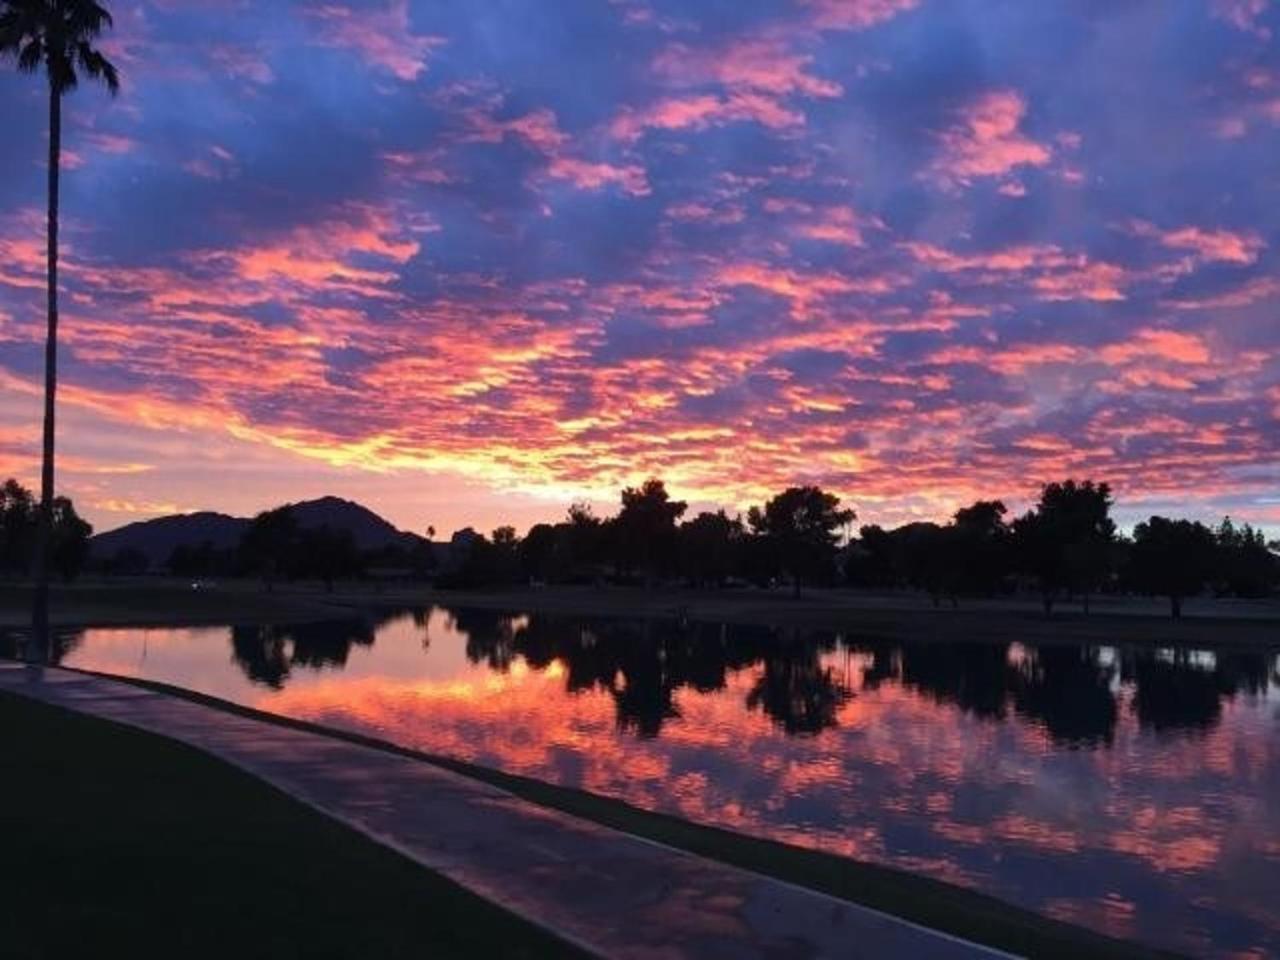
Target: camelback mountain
[{"x": 156, "y": 539}]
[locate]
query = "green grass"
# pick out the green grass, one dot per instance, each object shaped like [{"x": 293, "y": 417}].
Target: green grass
[
  {"x": 115, "y": 842},
  {"x": 931, "y": 903}
]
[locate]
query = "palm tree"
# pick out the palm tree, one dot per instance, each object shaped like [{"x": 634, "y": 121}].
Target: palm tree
[{"x": 58, "y": 35}]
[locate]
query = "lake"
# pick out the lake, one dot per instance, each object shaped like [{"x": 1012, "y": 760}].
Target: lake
[{"x": 1131, "y": 789}]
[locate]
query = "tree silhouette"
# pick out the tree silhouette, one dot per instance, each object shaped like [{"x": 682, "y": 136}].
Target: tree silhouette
[
  {"x": 709, "y": 546},
  {"x": 17, "y": 527},
  {"x": 127, "y": 561},
  {"x": 1245, "y": 567},
  {"x": 69, "y": 538},
  {"x": 868, "y": 561},
  {"x": 980, "y": 547},
  {"x": 645, "y": 528},
  {"x": 538, "y": 550},
  {"x": 327, "y": 554},
  {"x": 801, "y": 525},
  {"x": 58, "y": 36},
  {"x": 1066, "y": 542},
  {"x": 69, "y": 546},
  {"x": 1171, "y": 557},
  {"x": 269, "y": 542},
  {"x": 924, "y": 556},
  {"x": 583, "y": 540}
]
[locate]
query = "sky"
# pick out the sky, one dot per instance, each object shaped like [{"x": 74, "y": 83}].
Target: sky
[{"x": 467, "y": 261}]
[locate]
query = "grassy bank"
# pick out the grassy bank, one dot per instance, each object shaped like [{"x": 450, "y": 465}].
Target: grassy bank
[
  {"x": 155, "y": 601},
  {"x": 941, "y": 906},
  {"x": 908, "y": 616},
  {"x": 120, "y": 843},
  {"x": 900, "y": 616}
]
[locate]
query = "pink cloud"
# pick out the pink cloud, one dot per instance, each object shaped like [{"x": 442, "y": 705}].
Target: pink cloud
[
  {"x": 761, "y": 64},
  {"x": 111, "y": 143},
  {"x": 1230, "y": 128},
  {"x": 1207, "y": 244},
  {"x": 243, "y": 63},
  {"x": 629, "y": 177},
  {"x": 318, "y": 256},
  {"x": 856, "y": 14},
  {"x": 425, "y": 166},
  {"x": 986, "y": 142},
  {"x": 702, "y": 111},
  {"x": 1008, "y": 259},
  {"x": 1083, "y": 281},
  {"x": 1016, "y": 359},
  {"x": 539, "y": 129},
  {"x": 1050, "y": 272},
  {"x": 840, "y": 225},
  {"x": 1149, "y": 343},
  {"x": 805, "y": 289},
  {"x": 1246, "y": 294},
  {"x": 384, "y": 37},
  {"x": 1244, "y": 15},
  {"x": 218, "y": 164},
  {"x": 704, "y": 213}
]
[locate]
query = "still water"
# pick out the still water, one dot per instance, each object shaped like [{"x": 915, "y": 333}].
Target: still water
[{"x": 1131, "y": 789}]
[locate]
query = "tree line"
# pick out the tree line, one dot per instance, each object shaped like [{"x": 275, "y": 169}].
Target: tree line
[
  {"x": 1065, "y": 546},
  {"x": 68, "y": 540}
]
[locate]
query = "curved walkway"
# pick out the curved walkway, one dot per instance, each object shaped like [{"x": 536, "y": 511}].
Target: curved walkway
[{"x": 611, "y": 893}]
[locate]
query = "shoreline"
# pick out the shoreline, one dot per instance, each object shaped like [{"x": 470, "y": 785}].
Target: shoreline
[{"x": 870, "y": 616}]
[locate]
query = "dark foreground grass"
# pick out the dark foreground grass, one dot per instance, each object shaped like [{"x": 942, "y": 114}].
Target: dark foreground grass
[
  {"x": 931, "y": 903},
  {"x": 118, "y": 843}
]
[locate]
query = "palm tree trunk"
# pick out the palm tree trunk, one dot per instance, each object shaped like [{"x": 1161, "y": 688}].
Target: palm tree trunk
[{"x": 44, "y": 521}]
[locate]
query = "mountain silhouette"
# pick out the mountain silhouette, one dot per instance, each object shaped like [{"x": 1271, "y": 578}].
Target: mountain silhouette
[{"x": 156, "y": 539}]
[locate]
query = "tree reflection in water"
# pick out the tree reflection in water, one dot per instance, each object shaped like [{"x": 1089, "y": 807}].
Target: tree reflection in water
[
  {"x": 1072, "y": 692},
  {"x": 268, "y": 653}
]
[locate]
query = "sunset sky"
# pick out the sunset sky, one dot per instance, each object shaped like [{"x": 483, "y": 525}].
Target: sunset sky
[{"x": 468, "y": 261}]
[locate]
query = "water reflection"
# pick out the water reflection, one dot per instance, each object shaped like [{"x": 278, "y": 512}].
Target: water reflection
[
  {"x": 1071, "y": 691},
  {"x": 642, "y": 665},
  {"x": 1125, "y": 787},
  {"x": 269, "y": 653}
]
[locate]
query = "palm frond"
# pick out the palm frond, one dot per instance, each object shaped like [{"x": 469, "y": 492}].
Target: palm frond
[
  {"x": 59, "y": 35},
  {"x": 18, "y": 24},
  {"x": 31, "y": 55},
  {"x": 97, "y": 66}
]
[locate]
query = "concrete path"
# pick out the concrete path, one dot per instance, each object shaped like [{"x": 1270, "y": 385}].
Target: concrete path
[{"x": 611, "y": 893}]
